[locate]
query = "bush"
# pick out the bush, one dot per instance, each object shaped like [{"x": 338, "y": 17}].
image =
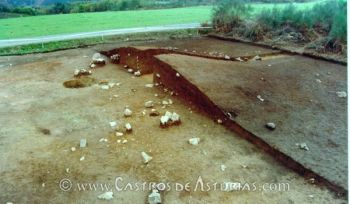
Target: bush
[{"x": 228, "y": 14}]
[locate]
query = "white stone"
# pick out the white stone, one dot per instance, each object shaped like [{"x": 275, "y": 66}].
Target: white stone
[
  {"x": 223, "y": 167},
  {"x": 170, "y": 101},
  {"x": 146, "y": 157},
  {"x": 149, "y": 85},
  {"x": 194, "y": 141},
  {"x": 104, "y": 87},
  {"x": 304, "y": 146},
  {"x": 124, "y": 141},
  {"x": 227, "y": 57},
  {"x": 271, "y": 126},
  {"x": 342, "y": 94},
  {"x": 127, "y": 112},
  {"x": 165, "y": 102},
  {"x": 260, "y": 98},
  {"x": 149, "y": 104},
  {"x": 178, "y": 75},
  {"x": 83, "y": 143},
  {"x": 219, "y": 121},
  {"x": 137, "y": 73},
  {"x": 128, "y": 127},
  {"x": 92, "y": 65},
  {"x": 164, "y": 120},
  {"x": 154, "y": 197},
  {"x": 318, "y": 81},
  {"x": 175, "y": 117},
  {"x": 130, "y": 70},
  {"x": 158, "y": 75},
  {"x": 113, "y": 124},
  {"x": 73, "y": 149},
  {"x": 106, "y": 196},
  {"x": 119, "y": 134},
  {"x": 82, "y": 158}
]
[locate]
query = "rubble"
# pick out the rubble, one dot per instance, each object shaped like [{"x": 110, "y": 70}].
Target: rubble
[
  {"x": 342, "y": 94},
  {"x": 113, "y": 124},
  {"x": 82, "y": 72},
  {"x": 128, "y": 127},
  {"x": 270, "y": 126},
  {"x": 154, "y": 197},
  {"x": 137, "y": 73},
  {"x": 303, "y": 146},
  {"x": 115, "y": 58},
  {"x": 223, "y": 167},
  {"x": 119, "y": 134},
  {"x": 169, "y": 119},
  {"x": 154, "y": 112},
  {"x": 149, "y": 104},
  {"x": 106, "y": 196},
  {"x": 127, "y": 112},
  {"x": 83, "y": 143},
  {"x": 260, "y": 98},
  {"x": 227, "y": 57},
  {"x": 194, "y": 141},
  {"x": 97, "y": 59},
  {"x": 146, "y": 157},
  {"x": 256, "y": 58},
  {"x": 82, "y": 158}
]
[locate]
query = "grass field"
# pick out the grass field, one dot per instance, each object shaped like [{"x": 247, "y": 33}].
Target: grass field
[{"x": 83, "y": 22}]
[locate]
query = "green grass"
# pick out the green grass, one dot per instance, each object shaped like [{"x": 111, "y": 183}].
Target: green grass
[{"x": 84, "y": 22}]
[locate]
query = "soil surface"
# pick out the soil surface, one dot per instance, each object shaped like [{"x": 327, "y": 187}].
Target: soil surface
[{"x": 41, "y": 121}]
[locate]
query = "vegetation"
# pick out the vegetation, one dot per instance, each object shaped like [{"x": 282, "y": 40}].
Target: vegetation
[
  {"x": 325, "y": 19},
  {"x": 84, "y": 22}
]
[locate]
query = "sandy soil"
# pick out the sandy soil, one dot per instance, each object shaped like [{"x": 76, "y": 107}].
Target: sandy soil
[{"x": 41, "y": 120}]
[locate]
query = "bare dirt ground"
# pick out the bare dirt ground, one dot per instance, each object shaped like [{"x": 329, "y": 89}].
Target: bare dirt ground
[{"x": 41, "y": 121}]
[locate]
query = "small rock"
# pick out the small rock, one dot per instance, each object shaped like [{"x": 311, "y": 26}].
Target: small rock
[
  {"x": 154, "y": 113},
  {"x": 227, "y": 57},
  {"x": 119, "y": 134},
  {"x": 92, "y": 65},
  {"x": 256, "y": 58},
  {"x": 154, "y": 197},
  {"x": 97, "y": 59},
  {"x": 103, "y": 140},
  {"x": 318, "y": 81},
  {"x": 270, "y": 126},
  {"x": 82, "y": 72},
  {"x": 178, "y": 75},
  {"x": 149, "y": 85},
  {"x": 239, "y": 59},
  {"x": 137, "y": 73},
  {"x": 149, "y": 104},
  {"x": 219, "y": 121},
  {"x": 146, "y": 157},
  {"x": 125, "y": 141},
  {"x": 128, "y": 127},
  {"x": 304, "y": 146},
  {"x": 73, "y": 149},
  {"x": 342, "y": 94},
  {"x": 223, "y": 167},
  {"x": 127, "y": 112},
  {"x": 106, "y": 196},
  {"x": 130, "y": 70},
  {"x": 67, "y": 170},
  {"x": 260, "y": 98},
  {"x": 82, "y": 158},
  {"x": 158, "y": 75},
  {"x": 83, "y": 143},
  {"x": 165, "y": 102},
  {"x": 194, "y": 141},
  {"x": 113, "y": 124},
  {"x": 164, "y": 121},
  {"x": 115, "y": 58},
  {"x": 104, "y": 87}
]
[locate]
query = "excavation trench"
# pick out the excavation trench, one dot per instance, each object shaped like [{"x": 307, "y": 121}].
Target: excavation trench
[{"x": 153, "y": 60}]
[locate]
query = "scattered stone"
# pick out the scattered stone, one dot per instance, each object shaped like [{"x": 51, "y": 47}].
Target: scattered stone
[
  {"x": 82, "y": 72},
  {"x": 170, "y": 102},
  {"x": 303, "y": 146},
  {"x": 239, "y": 59},
  {"x": 270, "y": 126},
  {"x": 154, "y": 197},
  {"x": 227, "y": 57},
  {"x": 165, "y": 102},
  {"x": 115, "y": 58},
  {"x": 83, "y": 143},
  {"x": 178, "y": 75},
  {"x": 119, "y": 134},
  {"x": 97, "y": 59},
  {"x": 154, "y": 113},
  {"x": 194, "y": 141},
  {"x": 67, "y": 170},
  {"x": 82, "y": 158},
  {"x": 130, "y": 70},
  {"x": 342, "y": 94},
  {"x": 164, "y": 121},
  {"x": 92, "y": 65},
  {"x": 119, "y": 141},
  {"x": 103, "y": 140},
  {"x": 219, "y": 121},
  {"x": 223, "y": 167},
  {"x": 169, "y": 119},
  {"x": 127, "y": 112},
  {"x": 146, "y": 157},
  {"x": 106, "y": 196},
  {"x": 125, "y": 141},
  {"x": 318, "y": 81},
  {"x": 128, "y": 127},
  {"x": 137, "y": 73},
  {"x": 115, "y": 96},
  {"x": 158, "y": 75},
  {"x": 256, "y": 58},
  {"x": 113, "y": 124},
  {"x": 260, "y": 98},
  {"x": 73, "y": 149},
  {"x": 104, "y": 87},
  {"x": 125, "y": 66},
  {"x": 149, "y": 85},
  {"x": 149, "y": 104}
]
